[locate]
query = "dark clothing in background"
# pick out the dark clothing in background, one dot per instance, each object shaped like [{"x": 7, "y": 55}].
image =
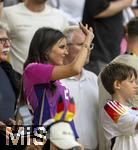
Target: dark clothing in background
[
  {"x": 9, "y": 91},
  {"x": 108, "y": 31},
  {"x": 10, "y": 2}
]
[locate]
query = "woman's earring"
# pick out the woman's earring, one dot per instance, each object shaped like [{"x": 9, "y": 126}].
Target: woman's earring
[{"x": 46, "y": 56}]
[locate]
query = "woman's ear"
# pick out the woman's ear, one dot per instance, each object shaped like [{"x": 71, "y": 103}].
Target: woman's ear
[
  {"x": 46, "y": 55},
  {"x": 117, "y": 84}
]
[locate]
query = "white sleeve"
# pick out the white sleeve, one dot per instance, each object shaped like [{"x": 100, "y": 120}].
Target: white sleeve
[
  {"x": 127, "y": 123},
  {"x": 122, "y": 119}
]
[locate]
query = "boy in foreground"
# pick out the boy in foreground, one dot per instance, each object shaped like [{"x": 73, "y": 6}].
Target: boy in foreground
[{"x": 119, "y": 121}]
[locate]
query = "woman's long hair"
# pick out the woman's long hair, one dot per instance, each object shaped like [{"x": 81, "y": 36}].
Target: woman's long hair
[{"x": 43, "y": 40}]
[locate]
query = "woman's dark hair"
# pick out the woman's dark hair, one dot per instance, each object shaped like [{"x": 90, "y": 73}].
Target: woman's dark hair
[
  {"x": 43, "y": 40},
  {"x": 116, "y": 71}
]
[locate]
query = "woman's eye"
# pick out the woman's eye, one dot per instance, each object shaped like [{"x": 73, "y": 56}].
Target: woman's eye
[{"x": 62, "y": 46}]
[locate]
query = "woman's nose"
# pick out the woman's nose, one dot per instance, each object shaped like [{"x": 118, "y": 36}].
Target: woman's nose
[{"x": 66, "y": 51}]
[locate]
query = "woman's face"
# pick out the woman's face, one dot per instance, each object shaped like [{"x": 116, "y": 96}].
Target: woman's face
[{"x": 58, "y": 52}]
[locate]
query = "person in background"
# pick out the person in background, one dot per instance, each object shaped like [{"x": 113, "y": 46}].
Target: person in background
[
  {"x": 119, "y": 121},
  {"x": 10, "y": 2},
  {"x": 9, "y": 85},
  {"x": 134, "y": 7},
  {"x": 9, "y": 89},
  {"x": 106, "y": 19},
  {"x": 67, "y": 8},
  {"x": 131, "y": 59},
  {"x": 84, "y": 89},
  {"x": 43, "y": 69},
  {"x": 24, "y": 19},
  {"x": 128, "y": 14}
]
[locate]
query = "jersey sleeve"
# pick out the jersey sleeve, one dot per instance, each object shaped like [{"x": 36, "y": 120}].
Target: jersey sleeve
[
  {"x": 38, "y": 73},
  {"x": 122, "y": 119}
]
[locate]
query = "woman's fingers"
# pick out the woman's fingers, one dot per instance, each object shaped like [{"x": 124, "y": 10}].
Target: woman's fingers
[
  {"x": 85, "y": 28},
  {"x": 88, "y": 31},
  {"x": 91, "y": 29}
]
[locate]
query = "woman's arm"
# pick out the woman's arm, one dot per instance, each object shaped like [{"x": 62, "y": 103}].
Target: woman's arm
[{"x": 74, "y": 68}]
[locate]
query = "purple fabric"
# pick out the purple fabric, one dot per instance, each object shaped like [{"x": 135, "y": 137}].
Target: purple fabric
[{"x": 37, "y": 74}]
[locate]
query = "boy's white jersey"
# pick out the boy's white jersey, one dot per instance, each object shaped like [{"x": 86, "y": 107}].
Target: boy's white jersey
[{"x": 119, "y": 122}]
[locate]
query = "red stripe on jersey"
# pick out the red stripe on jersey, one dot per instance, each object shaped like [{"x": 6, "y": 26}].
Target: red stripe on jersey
[
  {"x": 71, "y": 107},
  {"x": 60, "y": 107},
  {"x": 112, "y": 111}
]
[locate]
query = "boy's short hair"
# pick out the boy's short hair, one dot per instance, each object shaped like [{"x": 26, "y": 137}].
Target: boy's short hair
[{"x": 116, "y": 71}]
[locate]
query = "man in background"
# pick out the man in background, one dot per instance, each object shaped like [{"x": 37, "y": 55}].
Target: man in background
[
  {"x": 9, "y": 87},
  {"x": 105, "y": 17},
  {"x": 84, "y": 90}
]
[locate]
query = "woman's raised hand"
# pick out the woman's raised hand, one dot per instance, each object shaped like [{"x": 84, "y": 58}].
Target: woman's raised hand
[{"x": 88, "y": 32}]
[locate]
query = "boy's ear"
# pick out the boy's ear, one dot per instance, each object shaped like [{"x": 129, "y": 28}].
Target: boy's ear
[{"x": 117, "y": 84}]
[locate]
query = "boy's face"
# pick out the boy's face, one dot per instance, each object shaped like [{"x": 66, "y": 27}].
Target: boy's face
[{"x": 128, "y": 87}]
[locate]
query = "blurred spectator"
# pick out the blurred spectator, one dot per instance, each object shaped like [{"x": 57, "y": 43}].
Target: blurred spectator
[
  {"x": 24, "y": 19},
  {"x": 131, "y": 58},
  {"x": 106, "y": 19},
  {"x": 72, "y": 10},
  {"x": 10, "y": 2},
  {"x": 9, "y": 89},
  {"x": 134, "y": 7},
  {"x": 128, "y": 14},
  {"x": 84, "y": 90}
]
